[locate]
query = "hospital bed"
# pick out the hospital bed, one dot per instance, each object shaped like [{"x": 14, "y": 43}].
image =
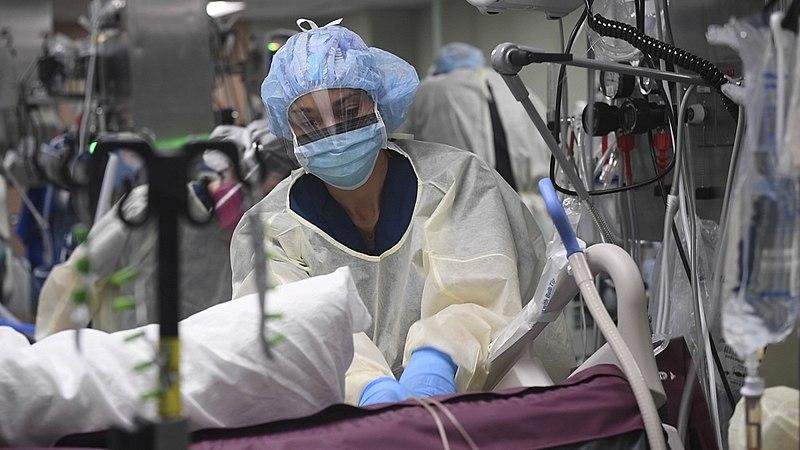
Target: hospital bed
[{"x": 594, "y": 408}]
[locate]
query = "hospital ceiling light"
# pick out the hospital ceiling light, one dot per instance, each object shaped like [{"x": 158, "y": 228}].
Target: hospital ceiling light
[{"x": 222, "y": 9}]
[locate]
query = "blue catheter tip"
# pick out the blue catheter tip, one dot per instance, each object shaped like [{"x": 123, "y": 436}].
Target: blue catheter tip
[{"x": 559, "y": 216}]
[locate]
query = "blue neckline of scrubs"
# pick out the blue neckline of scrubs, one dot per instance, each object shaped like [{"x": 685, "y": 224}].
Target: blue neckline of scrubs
[{"x": 310, "y": 199}]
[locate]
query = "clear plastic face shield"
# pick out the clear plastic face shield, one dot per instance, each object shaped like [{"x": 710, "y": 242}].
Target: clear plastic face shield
[
  {"x": 329, "y": 112},
  {"x": 337, "y": 135}
]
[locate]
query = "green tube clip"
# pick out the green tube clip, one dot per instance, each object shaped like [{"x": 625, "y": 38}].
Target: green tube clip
[
  {"x": 124, "y": 276},
  {"x": 83, "y": 265},
  {"x": 80, "y": 296},
  {"x": 277, "y": 339},
  {"x": 124, "y": 302},
  {"x": 80, "y": 233}
]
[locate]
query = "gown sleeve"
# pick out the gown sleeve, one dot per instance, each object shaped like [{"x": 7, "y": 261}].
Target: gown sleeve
[{"x": 482, "y": 256}]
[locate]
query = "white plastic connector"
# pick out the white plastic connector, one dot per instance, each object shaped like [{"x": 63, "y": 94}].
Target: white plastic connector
[
  {"x": 753, "y": 386},
  {"x": 696, "y": 114}
]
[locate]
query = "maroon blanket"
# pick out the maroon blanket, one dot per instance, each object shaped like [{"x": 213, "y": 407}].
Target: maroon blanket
[{"x": 594, "y": 404}]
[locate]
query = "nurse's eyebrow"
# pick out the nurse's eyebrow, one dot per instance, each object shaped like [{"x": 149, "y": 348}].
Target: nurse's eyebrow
[
  {"x": 303, "y": 110},
  {"x": 345, "y": 99}
]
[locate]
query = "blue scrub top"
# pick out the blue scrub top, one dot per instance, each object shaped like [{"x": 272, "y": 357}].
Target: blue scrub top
[{"x": 310, "y": 199}]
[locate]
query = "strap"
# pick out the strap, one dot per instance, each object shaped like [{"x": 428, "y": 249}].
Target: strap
[
  {"x": 502, "y": 159},
  {"x": 313, "y": 26}
]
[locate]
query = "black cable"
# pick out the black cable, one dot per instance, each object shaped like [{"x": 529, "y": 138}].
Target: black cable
[
  {"x": 721, "y": 370},
  {"x": 654, "y": 161},
  {"x": 641, "y": 12},
  {"x": 790, "y": 20},
  {"x": 668, "y": 24},
  {"x": 653, "y": 47},
  {"x": 615, "y": 190},
  {"x": 681, "y": 251},
  {"x": 639, "y": 8},
  {"x": 657, "y": 178},
  {"x": 557, "y": 120},
  {"x": 562, "y": 74},
  {"x": 685, "y": 262},
  {"x": 670, "y": 55},
  {"x": 768, "y": 8}
]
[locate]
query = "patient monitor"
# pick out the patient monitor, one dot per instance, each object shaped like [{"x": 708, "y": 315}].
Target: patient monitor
[{"x": 553, "y": 8}]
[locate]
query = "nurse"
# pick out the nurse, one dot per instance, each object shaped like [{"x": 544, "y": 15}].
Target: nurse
[
  {"x": 442, "y": 250},
  {"x": 467, "y": 105}
]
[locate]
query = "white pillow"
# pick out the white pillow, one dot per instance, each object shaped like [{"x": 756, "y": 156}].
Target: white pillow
[{"x": 49, "y": 389}]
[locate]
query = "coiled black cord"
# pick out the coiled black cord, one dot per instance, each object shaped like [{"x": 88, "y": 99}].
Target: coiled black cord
[{"x": 653, "y": 47}]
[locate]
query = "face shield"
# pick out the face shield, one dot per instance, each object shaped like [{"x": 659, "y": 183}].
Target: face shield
[
  {"x": 330, "y": 112},
  {"x": 337, "y": 135}
]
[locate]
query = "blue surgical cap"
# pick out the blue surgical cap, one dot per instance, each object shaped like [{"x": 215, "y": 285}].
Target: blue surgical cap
[
  {"x": 334, "y": 57},
  {"x": 458, "y": 55}
]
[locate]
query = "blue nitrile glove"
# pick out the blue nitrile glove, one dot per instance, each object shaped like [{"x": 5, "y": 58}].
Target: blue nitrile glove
[
  {"x": 429, "y": 372},
  {"x": 383, "y": 390}
]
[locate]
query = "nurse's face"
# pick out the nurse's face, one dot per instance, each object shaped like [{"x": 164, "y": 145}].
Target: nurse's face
[{"x": 328, "y": 112}]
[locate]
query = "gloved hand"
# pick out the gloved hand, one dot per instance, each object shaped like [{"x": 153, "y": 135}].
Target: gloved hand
[
  {"x": 383, "y": 390},
  {"x": 429, "y": 372}
]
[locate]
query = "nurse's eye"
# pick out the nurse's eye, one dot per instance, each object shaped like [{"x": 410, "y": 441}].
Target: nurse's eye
[
  {"x": 351, "y": 112},
  {"x": 309, "y": 123}
]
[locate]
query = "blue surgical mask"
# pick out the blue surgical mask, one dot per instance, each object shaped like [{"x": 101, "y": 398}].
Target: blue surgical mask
[{"x": 344, "y": 160}]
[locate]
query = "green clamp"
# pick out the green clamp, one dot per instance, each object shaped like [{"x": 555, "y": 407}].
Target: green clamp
[
  {"x": 123, "y": 303},
  {"x": 83, "y": 265},
  {"x": 80, "y": 296},
  {"x": 123, "y": 276},
  {"x": 80, "y": 233}
]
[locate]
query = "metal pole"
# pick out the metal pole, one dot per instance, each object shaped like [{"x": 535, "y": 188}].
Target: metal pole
[
  {"x": 520, "y": 92},
  {"x": 636, "y": 71},
  {"x": 588, "y": 139},
  {"x": 436, "y": 25},
  {"x": 166, "y": 199},
  {"x": 167, "y": 205},
  {"x": 169, "y": 404},
  {"x": 565, "y": 89},
  {"x": 577, "y": 61}
]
